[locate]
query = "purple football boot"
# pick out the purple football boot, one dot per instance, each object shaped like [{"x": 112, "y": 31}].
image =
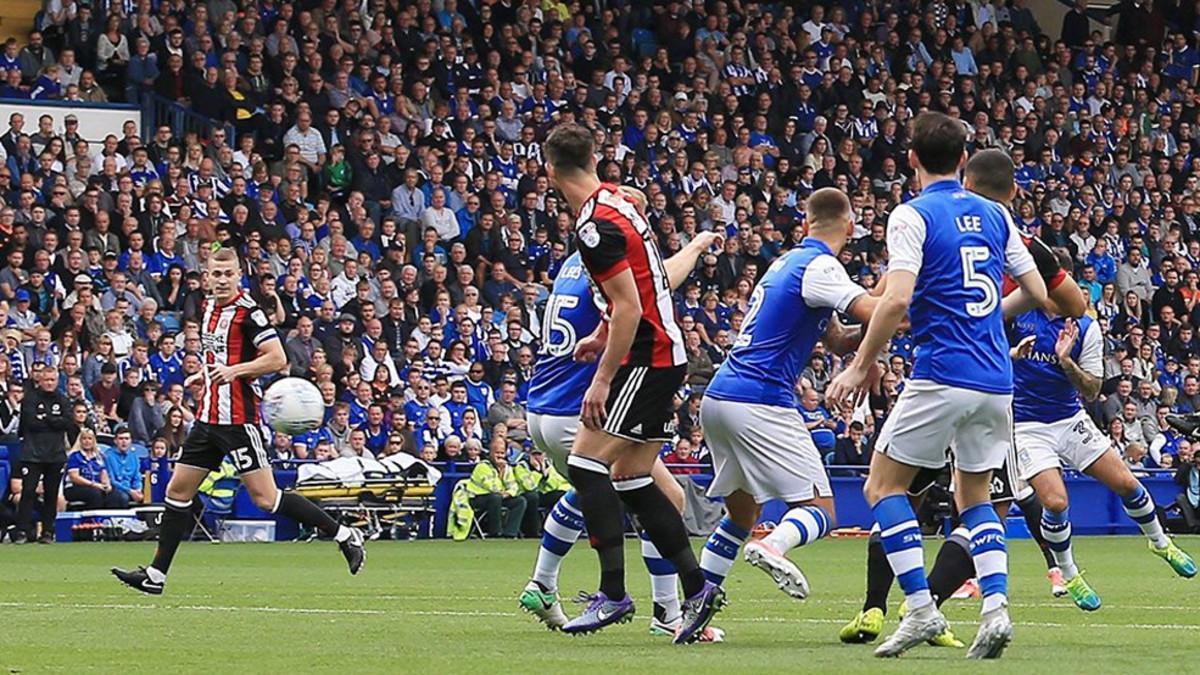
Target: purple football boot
[
  {"x": 600, "y": 612},
  {"x": 698, "y": 610}
]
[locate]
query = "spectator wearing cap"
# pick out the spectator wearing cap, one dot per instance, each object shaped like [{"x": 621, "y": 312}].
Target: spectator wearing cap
[
  {"x": 542, "y": 486},
  {"x": 20, "y": 316},
  {"x": 82, "y": 287},
  {"x": 343, "y": 335}
]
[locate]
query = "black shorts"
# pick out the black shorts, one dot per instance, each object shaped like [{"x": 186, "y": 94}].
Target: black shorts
[
  {"x": 207, "y": 444},
  {"x": 925, "y": 479},
  {"x": 641, "y": 403},
  {"x": 1003, "y": 485}
]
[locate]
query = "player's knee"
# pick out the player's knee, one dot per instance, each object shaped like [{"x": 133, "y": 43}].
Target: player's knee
[
  {"x": 872, "y": 492},
  {"x": 264, "y": 500},
  {"x": 178, "y": 494},
  {"x": 1126, "y": 484},
  {"x": 1055, "y": 501}
]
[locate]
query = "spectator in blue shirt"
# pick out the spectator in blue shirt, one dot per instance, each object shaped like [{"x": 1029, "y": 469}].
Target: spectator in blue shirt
[
  {"x": 1103, "y": 263},
  {"x": 166, "y": 363},
  {"x": 124, "y": 466},
  {"x": 87, "y": 478},
  {"x": 360, "y": 404},
  {"x": 457, "y": 405},
  {"x": 480, "y": 395},
  {"x": 817, "y": 420},
  {"x": 964, "y": 59},
  {"x": 1181, "y": 59},
  {"x": 416, "y": 409}
]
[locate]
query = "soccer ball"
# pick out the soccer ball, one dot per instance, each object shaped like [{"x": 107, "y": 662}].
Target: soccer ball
[{"x": 293, "y": 406}]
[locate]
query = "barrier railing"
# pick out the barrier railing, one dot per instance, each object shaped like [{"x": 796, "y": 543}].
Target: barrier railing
[{"x": 157, "y": 111}]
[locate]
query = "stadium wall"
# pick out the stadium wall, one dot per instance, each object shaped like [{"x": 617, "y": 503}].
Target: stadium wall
[{"x": 95, "y": 121}]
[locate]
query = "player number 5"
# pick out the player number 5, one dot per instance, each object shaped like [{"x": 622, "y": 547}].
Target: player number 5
[
  {"x": 974, "y": 279},
  {"x": 555, "y": 325}
]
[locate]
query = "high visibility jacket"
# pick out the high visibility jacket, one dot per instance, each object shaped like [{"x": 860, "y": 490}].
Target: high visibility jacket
[
  {"x": 486, "y": 479},
  {"x": 548, "y": 479}
]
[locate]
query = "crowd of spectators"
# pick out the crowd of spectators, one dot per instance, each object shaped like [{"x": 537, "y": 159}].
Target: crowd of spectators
[{"x": 384, "y": 182}]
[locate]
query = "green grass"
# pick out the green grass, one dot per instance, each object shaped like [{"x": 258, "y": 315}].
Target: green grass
[{"x": 441, "y": 607}]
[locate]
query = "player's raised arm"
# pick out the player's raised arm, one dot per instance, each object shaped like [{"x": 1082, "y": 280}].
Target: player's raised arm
[
  {"x": 1021, "y": 267},
  {"x": 1085, "y": 373},
  {"x": 680, "y": 265}
]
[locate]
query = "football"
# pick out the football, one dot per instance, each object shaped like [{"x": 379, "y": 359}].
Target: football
[{"x": 293, "y": 406}]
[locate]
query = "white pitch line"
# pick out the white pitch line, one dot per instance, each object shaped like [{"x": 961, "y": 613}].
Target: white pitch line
[
  {"x": 467, "y": 614},
  {"x": 780, "y": 601},
  {"x": 259, "y": 609}
]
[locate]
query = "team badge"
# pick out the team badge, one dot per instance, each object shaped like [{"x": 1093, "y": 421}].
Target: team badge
[{"x": 589, "y": 235}]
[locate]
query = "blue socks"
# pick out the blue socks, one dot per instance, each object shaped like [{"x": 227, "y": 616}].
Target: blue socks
[
  {"x": 989, "y": 553},
  {"x": 563, "y": 527},
  {"x": 901, "y": 539},
  {"x": 1140, "y": 507},
  {"x": 721, "y": 550},
  {"x": 664, "y": 582},
  {"x": 800, "y": 526},
  {"x": 1056, "y": 530}
]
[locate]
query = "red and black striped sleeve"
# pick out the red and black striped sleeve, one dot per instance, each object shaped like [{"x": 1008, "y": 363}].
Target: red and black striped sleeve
[
  {"x": 1047, "y": 262},
  {"x": 602, "y": 246}
]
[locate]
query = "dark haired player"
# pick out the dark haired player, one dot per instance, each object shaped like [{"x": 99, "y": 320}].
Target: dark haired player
[
  {"x": 627, "y": 410},
  {"x": 950, "y": 250},
  {"x": 988, "y": 173}
]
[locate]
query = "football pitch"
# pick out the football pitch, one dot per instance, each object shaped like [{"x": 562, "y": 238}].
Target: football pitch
[{"x": 444, "y": 607}]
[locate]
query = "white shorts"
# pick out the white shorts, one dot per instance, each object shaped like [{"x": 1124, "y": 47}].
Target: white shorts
[
  {"x": 1075, "y": 442},
  {"x": 764, "y": 451},
  {"x": 930, "y": 417},
  {"x": 555, "y": 436}
]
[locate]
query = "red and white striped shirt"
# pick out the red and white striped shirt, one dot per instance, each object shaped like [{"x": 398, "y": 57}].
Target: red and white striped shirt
[
  {"x": 231, "y": 334},
  {"x": 613, "y": 237}
]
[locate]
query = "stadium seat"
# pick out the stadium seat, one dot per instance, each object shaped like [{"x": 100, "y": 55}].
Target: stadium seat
[
  {"x": 215, "y": 511},
  {"x": 644, "y": 42}
]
